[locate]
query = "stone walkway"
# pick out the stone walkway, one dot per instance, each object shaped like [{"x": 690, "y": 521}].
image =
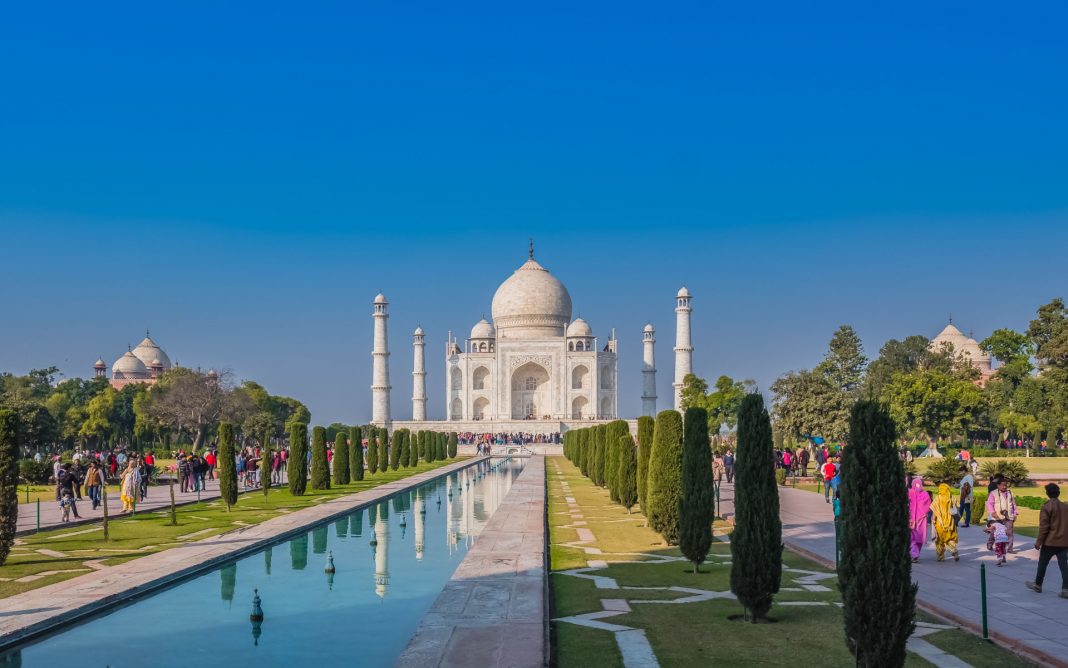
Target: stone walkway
[
  {"x": 493, "y": 611},
  {"x": 1034, "y": 625},
  {"x": 41, "y": 610}
]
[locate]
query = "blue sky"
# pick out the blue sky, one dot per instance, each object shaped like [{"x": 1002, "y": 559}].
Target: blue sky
[{"x": 243, "y": 178}]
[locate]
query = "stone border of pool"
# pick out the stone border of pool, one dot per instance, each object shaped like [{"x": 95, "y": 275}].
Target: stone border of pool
[
  {"x": 493, "y": 612},
  {"x": 30, "y": 615}
]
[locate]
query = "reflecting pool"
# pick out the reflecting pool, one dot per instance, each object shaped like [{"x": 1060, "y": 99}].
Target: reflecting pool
[{"x": 390, "y": 562}]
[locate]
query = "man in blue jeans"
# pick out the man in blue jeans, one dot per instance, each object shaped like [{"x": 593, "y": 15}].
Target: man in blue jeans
[
  {"x": 1052, "y": 539},
  {"x": 967, "y": 489},
  {"x": 829, "y": 470}
]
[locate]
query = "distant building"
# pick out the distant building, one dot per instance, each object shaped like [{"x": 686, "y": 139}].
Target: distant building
[
  {"x": 965, "y": 345},
  {"x": 143, "y": 364}
]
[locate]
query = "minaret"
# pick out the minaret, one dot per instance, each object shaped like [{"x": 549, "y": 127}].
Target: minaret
[
  {"x": 683, "y": 349},
  {"x": 648, "y": 372},
  {"x": 419, "y": 377},
  {"x": 380, "y": 384}
]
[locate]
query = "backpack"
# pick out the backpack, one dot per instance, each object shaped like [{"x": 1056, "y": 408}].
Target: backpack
[{"x": 965, "y": 490}]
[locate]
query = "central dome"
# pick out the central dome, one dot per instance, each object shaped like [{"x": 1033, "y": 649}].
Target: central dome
[{"x": 531, "y": 304}]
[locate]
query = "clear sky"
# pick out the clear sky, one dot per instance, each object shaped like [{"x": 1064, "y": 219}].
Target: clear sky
[{"x": 242, "y": 178}]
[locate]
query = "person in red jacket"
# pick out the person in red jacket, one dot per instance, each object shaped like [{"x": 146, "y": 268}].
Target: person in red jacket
[
  {"x": 211, "y": 460},
  {"x": 828, "y": 470}
]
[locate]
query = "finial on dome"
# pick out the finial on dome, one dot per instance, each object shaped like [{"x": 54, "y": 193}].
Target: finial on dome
[
  {"x": 531, "y": 248},
  {"x": 951, "y": 318},
  {"x": 146, "y": 333}
]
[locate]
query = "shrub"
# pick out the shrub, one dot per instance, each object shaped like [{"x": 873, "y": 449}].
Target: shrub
[
  {"x": 34, "y": 472},
  {"x": 400, "y": 437},
  {"x": 452, "y": 445},
  {"x": 1012, "y": 470},
  {"x": 696, "y": 505},
  {"x": 614, "y": 431},
  {"x": 9, "y": 481},
  {"x": 320, "y": 468},
  {"x": 297, "y": 464},
  {"x": 665, "y": 476},
  {"x": 227, "y": 465},
  {"x": 978, "y": 506},
  {"x": 356, "y": 454},
  {"x": 645, "y": 446},
  {"x": 944, "y": 470},
  {"x": 383, "y": 448},
  {"x": 780, "y": 476},
  {"x": 372, "y": 450},
  {"x": 875, "y": 573},
  {"x": 341, "y": 459},
  {"x": 628, "y": 470},
  {"x": 756, "y": 543}
]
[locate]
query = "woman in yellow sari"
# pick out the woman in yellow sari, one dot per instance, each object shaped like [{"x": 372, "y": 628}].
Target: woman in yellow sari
[
  {"x": 945, "y": 523},
  {"x": 131, "y": 483}
]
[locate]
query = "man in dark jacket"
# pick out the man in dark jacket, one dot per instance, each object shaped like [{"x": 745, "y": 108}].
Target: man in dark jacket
[{"x": 1052, "y": 539}]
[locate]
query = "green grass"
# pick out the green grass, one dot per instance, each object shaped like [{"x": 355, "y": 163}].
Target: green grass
[
  {"x": 1036, "y": 465},
  {"x": 695, "y": 634},
  {"x": 147, "y": 533}
]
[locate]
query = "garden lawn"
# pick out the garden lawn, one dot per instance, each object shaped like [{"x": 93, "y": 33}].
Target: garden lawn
[
  {"x": 60, "y": 554},
  {"x": 696, "y": 633},
  {"x": 1036, "y": 465}
]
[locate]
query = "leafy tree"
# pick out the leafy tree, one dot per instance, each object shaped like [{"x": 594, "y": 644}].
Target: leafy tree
[
  {"x": 9, "y": 481},
  {"x": 265, "y": 463},
  {"x": 372, "y": 450},
  {"x": 356, "y": 454},
  {"x": 452, "y": 444},
  {"x": 665, "y": 476},
  {"x": 933, "y": 403},
  {"x": 227, "y": 463},
  {"x": 874, "y": 573},
  {"x": 807, "y": 403},
  {"x": 721, "y": 404},
  {"x": 694, "y": 390},
  {"x": 320, "y": 467},
  {"x": 1007, "y": 346},
  {"x": 645, "y": 446},
  {"x": 844, "y": 363},
  {"x": 297, "y": 463},
  {"x": 756, "y": 543},
  {"x": 1049, "y": 334},
  {"x": 905, "y": 356},
  {"x": 628, "y": 471},
  {"x": 341, "y": 458},
  {"x": 696, "y": 505}
]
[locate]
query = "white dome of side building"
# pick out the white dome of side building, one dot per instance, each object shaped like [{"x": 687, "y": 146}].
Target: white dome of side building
[{"x": 952, "y": 338}]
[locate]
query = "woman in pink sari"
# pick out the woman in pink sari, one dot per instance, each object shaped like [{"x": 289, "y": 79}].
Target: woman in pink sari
[{"x": 919, "y": 504}]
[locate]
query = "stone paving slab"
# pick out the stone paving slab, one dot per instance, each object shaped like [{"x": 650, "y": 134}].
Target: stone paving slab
[
  {"x": 492, "y": 613},
  {"x": 1034, "y": 625},
  {"x": 39, "y": 611}
]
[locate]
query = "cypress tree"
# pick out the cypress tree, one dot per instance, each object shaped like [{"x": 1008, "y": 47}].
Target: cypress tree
[
  {"x": 665, "y": 476},
  {"x": 400, "y": 439},
  {"x": 383, "y": 448},
  {"x": 297, "y": 464},
  {"x": 615, "y": 430},
  {"x": 597, "y": 472},
  {"x": 341, "y": 458},
  {"x": 424, "y": 439},
  {"x": 756, "y": 543},
  {"x": 372, "y": 450},
  {"x": 584, "y": 454},
  {"x": 645, "y": 446},
  {"x": 443, "y": 446},
  {"x": 9, "y": 481},
  {"x": 406, "y": 446},
  {"x": 452, "y": 445},
  {"x": 320, "y": 467},
  {"x": 696, "y": 505},
  {"x": 356, "y": 454},
  {"x": 227, "y": 465},
  {"x": 874, "y": 573},
  {"x": 628, "y": 471}
]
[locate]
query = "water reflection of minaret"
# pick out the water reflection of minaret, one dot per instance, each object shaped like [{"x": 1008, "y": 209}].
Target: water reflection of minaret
[
  {"x": 382, "y": 554},
  {"x": 452, "y": 511},
  {"x": 418, "y": 513}
]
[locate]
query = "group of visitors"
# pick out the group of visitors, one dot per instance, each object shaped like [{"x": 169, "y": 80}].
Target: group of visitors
[
  {"x": 506, "y": 438},
  {"x": 92, "y": 470},
  {"x": 723, "y": 465}
]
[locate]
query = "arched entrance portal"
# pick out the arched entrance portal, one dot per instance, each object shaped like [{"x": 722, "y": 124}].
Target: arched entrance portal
[{"x": 530, "y": 392}]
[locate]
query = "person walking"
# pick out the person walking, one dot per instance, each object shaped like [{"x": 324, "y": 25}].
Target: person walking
[
  {"x": 829, "y": 470},
  {"x": 94, "y": 482},
  {"x": 717, "y": 468},
  {"x": 919, "y": 504},
  {"x": 944, "y": 519},
  {"x": 1052, "y": 539},
  {"x": 130, "y": 486},
  {"x": 1001, "y": 506},
  {"x": 728, "y": 465},
  {"x": 967, "y": 496}
]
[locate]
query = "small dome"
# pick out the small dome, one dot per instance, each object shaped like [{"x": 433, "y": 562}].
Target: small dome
[
  {"x": 380, "y": 299},
  {"x": 212, "y": 373},
  {"x": 579, "y": 328},
  {"x": 648, "y": 328},
  {"x": 99, "y": 364},
  {"x": 683, "y": 293},
  {"x": 147, "y": 351},
  {"x": 483, "y": 330},
  {"x": 418, "y": 331},
  {"x": 961, "y": 344},
  {"x": 155, "y": 363},
  {"x": 129, "y": 366}
]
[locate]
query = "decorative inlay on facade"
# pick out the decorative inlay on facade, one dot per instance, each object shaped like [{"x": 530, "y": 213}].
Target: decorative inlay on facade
[{"x": 517, "y": 361}]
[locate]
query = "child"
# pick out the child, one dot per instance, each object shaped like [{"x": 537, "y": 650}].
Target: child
[
  {"x": 65, "y": 502},
  {"x": 1001, "y": 540}
]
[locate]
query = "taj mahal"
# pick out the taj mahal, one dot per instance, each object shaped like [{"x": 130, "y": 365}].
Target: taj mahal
[{"x": 532, "y": 369}]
